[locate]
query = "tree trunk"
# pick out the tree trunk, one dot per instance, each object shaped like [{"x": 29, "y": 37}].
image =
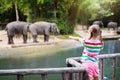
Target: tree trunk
[
  {"x": 16, "y": 10},
  {"x": 73, "y": 12},
  {"x": 55, "y": 8}
]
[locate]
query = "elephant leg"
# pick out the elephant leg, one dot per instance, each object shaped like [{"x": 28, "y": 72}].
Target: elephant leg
[
  {"x": 10, "y": 40},
  {"x": 114, "y": 28},
  {"x": 34, "y": 38},
  {"x": 24, "y": 38},
  {"x": 46, "y": 38}
]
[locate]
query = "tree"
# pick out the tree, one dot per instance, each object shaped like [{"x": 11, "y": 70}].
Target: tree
[{"x": 66, "y": 13}]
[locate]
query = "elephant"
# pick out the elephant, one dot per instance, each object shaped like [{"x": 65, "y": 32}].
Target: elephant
[
  {"x": 113, "y": 25},
  {"x": 100, "y": 23},
  {"x": 42, "y": 27},
  {"x": 17, "y": 28}
]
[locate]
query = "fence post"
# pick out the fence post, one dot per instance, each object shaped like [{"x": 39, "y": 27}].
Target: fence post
[
  {"x": 102, "y": 68},
  {"x": 114, "y": 67},
  {"x": 70, "y": 74},
  {"x": 19, "y": 77},
  {"x": 65, "y": 76},
  {"x": 80, "y": 76},
  {"x": 44, "y": 76}
]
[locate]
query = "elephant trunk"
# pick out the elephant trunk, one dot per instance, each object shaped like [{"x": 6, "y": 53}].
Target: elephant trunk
[
  {"x": 58, "y": 32},
  {"x": 28, "y": 29}
]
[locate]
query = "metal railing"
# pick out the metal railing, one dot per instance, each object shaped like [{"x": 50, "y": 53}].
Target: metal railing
[
  {"x": 73, "y": 61},
  {"x": 66, "y": 72}
]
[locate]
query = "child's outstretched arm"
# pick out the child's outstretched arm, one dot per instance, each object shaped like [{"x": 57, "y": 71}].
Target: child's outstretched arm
[{"x": 75, "y": 38}]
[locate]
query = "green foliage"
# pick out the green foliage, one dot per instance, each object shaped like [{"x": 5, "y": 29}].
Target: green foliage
[
  {"x": 66, "y": 13},
  {"x": 40, "y": 1},
  {"x": 63, "y": 26}
]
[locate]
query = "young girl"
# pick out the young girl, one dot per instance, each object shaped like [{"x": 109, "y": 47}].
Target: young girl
[{"x": 92, "y": 47}]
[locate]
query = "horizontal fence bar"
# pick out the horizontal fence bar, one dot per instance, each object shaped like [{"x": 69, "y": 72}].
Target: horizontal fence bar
[
  {"x": 109, "y": 55},
  {"x": 42, "y": 71},
  {"x": 104, "y": 56}
]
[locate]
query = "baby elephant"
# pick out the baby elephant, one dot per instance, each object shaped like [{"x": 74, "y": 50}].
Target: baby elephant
[
  {"x": 16, "y": 28},
  {"x": 44, "y": 28}
]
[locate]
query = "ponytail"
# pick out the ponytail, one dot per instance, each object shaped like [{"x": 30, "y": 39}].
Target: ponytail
[{"x": 95, "y": 32}]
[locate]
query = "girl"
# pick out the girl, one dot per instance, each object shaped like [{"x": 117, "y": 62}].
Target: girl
[{"x": 92, "y": 47}]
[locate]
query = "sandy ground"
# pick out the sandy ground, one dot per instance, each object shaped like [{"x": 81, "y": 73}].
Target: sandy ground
[
  {"x": 53, "y": 41},
  {"x": 18, "y": 42}
]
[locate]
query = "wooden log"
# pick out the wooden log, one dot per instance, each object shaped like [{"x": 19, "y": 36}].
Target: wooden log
[
  {"x": 74, "y": 62},
  {"x": 42, "y": 71}
]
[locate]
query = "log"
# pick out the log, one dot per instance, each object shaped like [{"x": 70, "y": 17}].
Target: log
[{"x": 42, "y": 71}]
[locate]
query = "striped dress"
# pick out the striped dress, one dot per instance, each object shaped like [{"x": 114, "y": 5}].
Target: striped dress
[{"x": 91, "y": 50}]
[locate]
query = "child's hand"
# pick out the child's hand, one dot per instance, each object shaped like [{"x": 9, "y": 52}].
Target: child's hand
[{"x": 75, "y": 38}]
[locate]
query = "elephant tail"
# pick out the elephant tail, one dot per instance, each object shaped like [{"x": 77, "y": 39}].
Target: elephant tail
[{"x": 6, "y": 28}]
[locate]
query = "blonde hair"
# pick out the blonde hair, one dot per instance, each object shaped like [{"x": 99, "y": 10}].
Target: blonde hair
[{"x": 95, "y": 32}]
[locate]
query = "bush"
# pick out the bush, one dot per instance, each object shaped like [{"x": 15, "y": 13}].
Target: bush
[{"x": 65, "y": 28}]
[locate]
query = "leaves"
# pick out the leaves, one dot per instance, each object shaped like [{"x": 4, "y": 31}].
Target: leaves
[
  {"x": 83, "y": 10},
  {"x": 40, "y": 1}
]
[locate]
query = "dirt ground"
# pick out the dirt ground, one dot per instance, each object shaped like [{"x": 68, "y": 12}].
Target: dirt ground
[{"x": 18, "y": 42}]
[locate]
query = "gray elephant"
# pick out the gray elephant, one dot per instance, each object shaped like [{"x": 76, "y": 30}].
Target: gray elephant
[
  {"x": 113, "y": 25},
  {"x": 44, "y": 28},
  {"x": 100, "y": 23},
  {"x": 17, "y": 28}
]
